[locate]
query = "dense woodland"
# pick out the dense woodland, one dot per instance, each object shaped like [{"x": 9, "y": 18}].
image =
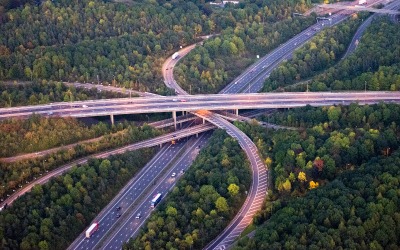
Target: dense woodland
[
  {"x": 332, "y": 140},
  {"x": 374, "y": 63},
  {"x": 373, "y": 66},
  {"x": 202, "y": 203},
  {"x": 16, "y": 174},
  {"x": 46, "y": 92},
  {"x": 323, "y": 51},
  {"x": 96, "y": 40},
  {"x": 358, "y": 210},
  {"x": 208, "y": 68},
  {"x": 115, "y": 43},
  {"x": 38, "y": 133},
  {"x": 51, "y": 216}
]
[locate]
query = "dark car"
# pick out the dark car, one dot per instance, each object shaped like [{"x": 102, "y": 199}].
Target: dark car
[
  {"x": 118, "y": 215},
  {"x": 118, "y": 208}
]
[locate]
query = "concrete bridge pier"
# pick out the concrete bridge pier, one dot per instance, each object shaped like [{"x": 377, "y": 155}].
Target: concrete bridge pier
[
  {"x": 237, "y": 111},
  {"x": 174, "y": 116},
  {"x": 112, "y": 119},
  {"x": 204, "y": 121}
]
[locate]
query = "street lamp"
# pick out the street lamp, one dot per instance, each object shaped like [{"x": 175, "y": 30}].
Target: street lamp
[{"x": 365, "y": 86}]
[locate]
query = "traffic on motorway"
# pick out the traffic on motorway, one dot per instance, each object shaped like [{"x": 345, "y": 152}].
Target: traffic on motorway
[{"x": 122, "y": 218}]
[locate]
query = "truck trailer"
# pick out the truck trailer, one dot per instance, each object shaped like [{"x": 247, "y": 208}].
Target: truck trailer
[{"x": 93, "y": 228}]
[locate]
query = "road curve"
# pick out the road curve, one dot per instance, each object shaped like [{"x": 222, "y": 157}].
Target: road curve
[{"x": 257, "y": 192}]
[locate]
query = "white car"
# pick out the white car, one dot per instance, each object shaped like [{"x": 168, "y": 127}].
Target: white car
[{"x": 173, "y": 175}]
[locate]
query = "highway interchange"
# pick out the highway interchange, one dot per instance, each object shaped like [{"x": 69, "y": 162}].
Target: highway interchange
[{"x": 250, "y": 81}]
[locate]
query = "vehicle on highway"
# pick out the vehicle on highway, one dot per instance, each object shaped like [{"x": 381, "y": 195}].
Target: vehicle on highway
[
  {"x": 118, "y": 208},
  {"x": 85, "y": 106},
  {"x": 174, "y": 100},
  {"x": 173, "y": 142},
  {"x": 156, "y": 200},
  {"x": 175, "y": 55},
  {"x": 93, "y": 228},
  {"x": 118, "y": 215},
  {"x": 173, "y": 175},
  {"x": 138, "y": 216},
  {"x": 183, "y": 100}
]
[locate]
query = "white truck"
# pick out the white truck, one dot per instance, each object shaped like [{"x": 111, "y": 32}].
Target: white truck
[
  {"x": 362, "y": 2},
  {"x": 93, "y": 228},
  {"x": 175, "y": 55}
]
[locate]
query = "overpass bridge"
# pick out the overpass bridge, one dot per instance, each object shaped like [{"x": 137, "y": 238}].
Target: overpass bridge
[{"x": 160, "y": 104}]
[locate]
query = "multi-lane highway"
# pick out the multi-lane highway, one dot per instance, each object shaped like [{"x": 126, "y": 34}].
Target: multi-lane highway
[
  {"x": 131, "y": 226},
  {"x": 199, "y": 102},
  {"x": 135, "y": 198}
]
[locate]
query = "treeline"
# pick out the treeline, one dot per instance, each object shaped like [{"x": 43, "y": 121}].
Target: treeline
[
  {"x": 38, "y": 133},
  {"x": 358, "y": 210},
  {"x": 324, "y": 50},
  {"x": 51, "y": 216},
  {"x": 97, "y": 41},
  {"x": 368, "y": 116},
  {"x": 374, "y": 65},
  {"x": 15, "y": 175},
  {"x": 304, "y": 159},
  {"x": 203, "y": 202},
  {"x": 255, "y": 31},
  {"x": 42, "y": 92}
]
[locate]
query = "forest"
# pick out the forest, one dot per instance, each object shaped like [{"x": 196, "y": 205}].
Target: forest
[
  {"x": 38, "y": 133},
  {"x": 203, "y": 201},
  {"x": 52, "y": 215},
  {"x": 358, "y": 210},
  {"x": 331, "y": 140},
  {"x": 208, "y": 68},
  {"x": 373, "y": 66},
  {"x": 15, "y": 174},
  {"x": 98, "y": 41},
  {"x": 323, "y": 51},
  {"x": 43, "y": 92}
]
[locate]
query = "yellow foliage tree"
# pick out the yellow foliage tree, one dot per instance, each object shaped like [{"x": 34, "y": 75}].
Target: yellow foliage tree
[
  {"x": 302, "y": 177},
  {"x": 313, "y": 184},
  {"x": 268, "y": 161}
]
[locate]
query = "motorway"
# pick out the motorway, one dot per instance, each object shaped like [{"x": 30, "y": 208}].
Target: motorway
[
  {"x": 131, "y": 226},
  {"x": 135, "y": 198},
  {"x": 199, "y": 102}
]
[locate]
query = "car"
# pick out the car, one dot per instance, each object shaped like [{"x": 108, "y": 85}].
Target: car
[
  {"x": 183, "y": 100},
  {"x": 174, "y": 100},
  {"x": 118, "y": 215},
  {"x": 138, "y": 216},
  {"x": 118, "y": 208},
  {"x": 166, "y": 69},
  {"x": 84, "y": 106},
  {"x": 173, "y": 175},
  {"x": 236, "y": 82}
]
